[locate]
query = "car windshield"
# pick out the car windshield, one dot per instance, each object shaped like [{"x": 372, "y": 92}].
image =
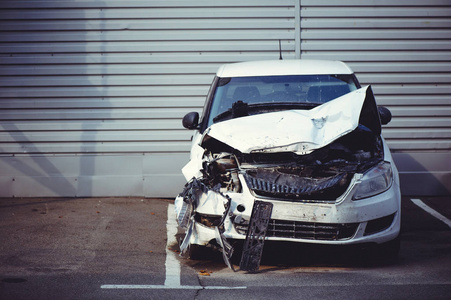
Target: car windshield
[{"x": 265, "y": 91}]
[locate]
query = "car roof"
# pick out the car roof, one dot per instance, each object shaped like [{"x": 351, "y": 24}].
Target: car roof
[{"x": 283, "y": 67}]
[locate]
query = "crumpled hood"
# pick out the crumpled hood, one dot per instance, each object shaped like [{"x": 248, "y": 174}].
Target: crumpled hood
[{"x": 300, "y": 131}]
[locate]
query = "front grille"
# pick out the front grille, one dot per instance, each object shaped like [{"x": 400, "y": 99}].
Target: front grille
[
  {"x": 296, "y": 188},
  {"x": 306, "y": 230}
]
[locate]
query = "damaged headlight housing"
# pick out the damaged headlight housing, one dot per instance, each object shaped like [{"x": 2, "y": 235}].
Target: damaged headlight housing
[{"x": 375, "y": 181}]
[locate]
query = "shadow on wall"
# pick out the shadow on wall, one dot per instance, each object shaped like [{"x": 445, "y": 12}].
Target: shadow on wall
[
  {"x": 37, "y": 168},
  {"x": 418, "y": 180},
  {"x": 68, "y": 170}
]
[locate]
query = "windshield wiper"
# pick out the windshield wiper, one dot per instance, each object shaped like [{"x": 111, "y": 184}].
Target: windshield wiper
[{"x": 239, "y": 109}]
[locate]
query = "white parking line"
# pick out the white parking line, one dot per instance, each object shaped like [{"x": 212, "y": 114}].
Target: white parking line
[
  {"x": 431, "y": 211},
  {"x": 172, "y": 265},
  {"x": 180, "y": 287}
]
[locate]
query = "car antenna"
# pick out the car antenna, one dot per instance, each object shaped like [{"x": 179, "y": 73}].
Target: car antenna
[{"x": 280, "y": 51}]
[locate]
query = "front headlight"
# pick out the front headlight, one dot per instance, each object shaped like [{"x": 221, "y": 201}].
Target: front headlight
[{"x": 375, "y": 181}]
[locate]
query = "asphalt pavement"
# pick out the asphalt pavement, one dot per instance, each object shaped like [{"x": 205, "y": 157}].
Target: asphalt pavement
[{"x": 123, "y": 248}]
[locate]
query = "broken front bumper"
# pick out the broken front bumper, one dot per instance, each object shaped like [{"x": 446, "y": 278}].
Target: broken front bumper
[{"x": 375, "y": 219}]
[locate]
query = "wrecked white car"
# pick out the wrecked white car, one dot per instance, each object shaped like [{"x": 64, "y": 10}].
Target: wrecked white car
[{"x": 288, "y": 150}]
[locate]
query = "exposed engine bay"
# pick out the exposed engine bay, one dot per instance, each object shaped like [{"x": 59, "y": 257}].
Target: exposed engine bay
[{"x": 322, "y": 175}]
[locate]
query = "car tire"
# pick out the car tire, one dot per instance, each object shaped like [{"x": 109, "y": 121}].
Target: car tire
[
  {"x": 389, "y": 251},
  {"x": 198, "y": 252},
  {"x": 377, "y": 254}
]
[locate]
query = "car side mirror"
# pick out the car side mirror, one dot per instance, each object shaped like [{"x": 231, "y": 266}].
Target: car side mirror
[
  {"x": 384, "y": 114},
  {"x": 191, "y": 120}
]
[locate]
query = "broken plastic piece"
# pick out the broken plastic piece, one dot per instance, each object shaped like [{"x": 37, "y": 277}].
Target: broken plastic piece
[
  {"x": 186, "y": 241},
  {"x": 226, "y": 248},
  {"x": 255, "y": 237}
]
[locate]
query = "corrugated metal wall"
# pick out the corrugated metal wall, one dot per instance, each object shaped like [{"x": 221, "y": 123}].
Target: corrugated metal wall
[
  {"x": 92, "y": 92},
  {"x": 402, "y": 48}
]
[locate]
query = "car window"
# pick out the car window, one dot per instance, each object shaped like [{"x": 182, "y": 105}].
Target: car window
[{"x": 279, "y": 89}]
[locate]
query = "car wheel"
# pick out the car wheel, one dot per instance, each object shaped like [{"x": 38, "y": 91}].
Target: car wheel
[
  {"x": 376, "y": 254},
  {"x": 389, "y": 251},
  {"x": 198, "y": 252}
]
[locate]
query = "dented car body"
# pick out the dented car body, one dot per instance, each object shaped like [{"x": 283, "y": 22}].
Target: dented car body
[{"x": 288, "y": 151}]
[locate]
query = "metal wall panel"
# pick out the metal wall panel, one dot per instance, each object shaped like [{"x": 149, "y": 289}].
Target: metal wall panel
[
  {"x": 92, "y": 92},
  {"x": 403, "y": 49}
]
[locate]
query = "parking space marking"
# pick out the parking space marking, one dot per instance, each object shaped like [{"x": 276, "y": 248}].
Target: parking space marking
[
  {"x": 431, "y": 211},
  {"x": 180, "y": 287},
  {"x": 172, "y": 265}
]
